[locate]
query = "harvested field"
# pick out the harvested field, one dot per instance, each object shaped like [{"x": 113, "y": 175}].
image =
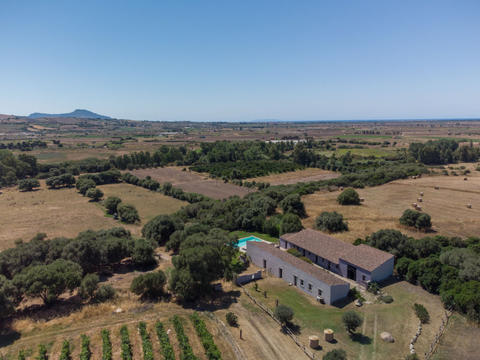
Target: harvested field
[
  {"x": 385, "y": 204},
  {"x": 293, "y": 177},
  {"x": 190, "y": 181},
  {"x": 62, "y": 212},
  {"x": 148, "y": 203}
]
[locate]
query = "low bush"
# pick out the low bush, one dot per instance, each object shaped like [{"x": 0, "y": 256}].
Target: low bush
[
  {"x": 149, "y": 285},
  {"x": 348, "y": 197},
  {"x": 167, "y": 349},
  {"x": 211, "y": 350},
  {"x": 42, "y": 352},
  {"x": 421, "y": 313},
  {"x": 128, "y": 213},
  {"x": 294, "y": 252},
  {"x": 232, "y": 319},
  {"x": 105, "y": 293},
  {"x": 21, "y": 355}
]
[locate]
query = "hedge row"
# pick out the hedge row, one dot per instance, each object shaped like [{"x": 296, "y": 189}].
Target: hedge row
[
  {"x": 106, "y": 345},
  {"x": 65, "y": 354},
  {"x": 146, "y": 343},
  {"x": 126, "y": 345},
  {"x": 85, "y": 352},
  {"x": 187, "y": 352},
  {"x": 206, "y": 338},
  {"x": 167, "y": 348}
]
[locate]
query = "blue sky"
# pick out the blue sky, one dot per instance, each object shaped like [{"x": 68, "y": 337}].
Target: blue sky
[{"x": 242, "y": 60}]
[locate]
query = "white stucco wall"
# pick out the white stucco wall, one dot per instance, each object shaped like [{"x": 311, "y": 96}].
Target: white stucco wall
[
  {"x": 384, "y": 271},
  {"x": 329, "y": 293}
]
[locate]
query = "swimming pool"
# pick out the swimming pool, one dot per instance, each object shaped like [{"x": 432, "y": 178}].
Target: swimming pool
[{"x": 243, "y": 242}]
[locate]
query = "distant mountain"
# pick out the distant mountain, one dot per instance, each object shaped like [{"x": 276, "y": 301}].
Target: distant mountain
[{"x": 79, "y": 113}]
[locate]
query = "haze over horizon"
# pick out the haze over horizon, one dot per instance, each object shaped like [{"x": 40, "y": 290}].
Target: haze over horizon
[{"x": 226, "y": 61}]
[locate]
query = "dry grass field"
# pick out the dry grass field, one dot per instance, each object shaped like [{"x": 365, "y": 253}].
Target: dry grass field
[
  {"x": 62, "y": 212},
  {"x": 190, "y": 181},
  {"x": 293, "y": 177},
  {"x": 385, "y": 204},
  {"x": 148, "y": 203}
]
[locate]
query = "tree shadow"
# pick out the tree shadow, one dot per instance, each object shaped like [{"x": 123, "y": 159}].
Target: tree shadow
[
  {"x": 214, "y": 300},
  {"x": 360, "y": 338},
  {"x": 8, "y": 336},
  {"x": 294, "y": 328}
]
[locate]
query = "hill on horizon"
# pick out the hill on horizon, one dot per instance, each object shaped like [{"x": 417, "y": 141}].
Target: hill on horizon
[{"x": 78, "y": 113}]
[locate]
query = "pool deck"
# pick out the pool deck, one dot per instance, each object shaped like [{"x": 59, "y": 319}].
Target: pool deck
[{"x": 244, "y": 247}]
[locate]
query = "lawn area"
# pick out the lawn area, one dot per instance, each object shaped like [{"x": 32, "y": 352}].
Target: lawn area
[
  {"x": 243, "y": 234},
  {"x": 148, "y": 203},
  {"x": 397, "y": 318}
]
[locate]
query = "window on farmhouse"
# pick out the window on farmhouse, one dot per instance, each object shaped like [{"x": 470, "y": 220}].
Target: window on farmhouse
[
  {"x": 319, "y": 292},
  {"x": 309, "y": 287},
  {"x": 301, "y": 282},
  {"x": 364, "y": 277}
]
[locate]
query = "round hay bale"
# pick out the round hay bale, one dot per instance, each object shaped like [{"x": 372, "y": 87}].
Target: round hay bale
[
  {"x": 436, "y": 187},
  {"x": 420, "y": 199},
  {"x": 469, "y": 206},
  {"x": 329, "y": 335},
  {"x": 313, "y": 341},
  {"x": 465, "y": 179},
  {"x": 387, "y": 337},
  {"x": 421, "y": 194}
]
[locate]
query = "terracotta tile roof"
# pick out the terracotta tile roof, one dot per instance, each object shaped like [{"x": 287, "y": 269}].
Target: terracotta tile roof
[
  {"x": 332, "y": 249},
  {"x": 317, "y": 272}
]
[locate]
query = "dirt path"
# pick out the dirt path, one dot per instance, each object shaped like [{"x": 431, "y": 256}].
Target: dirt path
[{"x": 258, "y": 329}]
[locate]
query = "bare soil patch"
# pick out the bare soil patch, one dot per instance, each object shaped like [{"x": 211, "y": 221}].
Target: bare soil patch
[
  {"x": 190, "y": 181},
  {"x": 293, "y": 177},
  {"x": 384, "y": 205}
]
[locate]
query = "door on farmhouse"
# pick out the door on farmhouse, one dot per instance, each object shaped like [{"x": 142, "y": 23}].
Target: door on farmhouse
[
  {"x": 294, "y": 280},
  {"x": 264, "y": 263},
  {"x": 280, "y": 273},
  {"x": 352, "y": 272}
]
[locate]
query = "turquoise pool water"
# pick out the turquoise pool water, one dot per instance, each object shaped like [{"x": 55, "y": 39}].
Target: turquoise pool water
[{"x": 243, "y": 242}]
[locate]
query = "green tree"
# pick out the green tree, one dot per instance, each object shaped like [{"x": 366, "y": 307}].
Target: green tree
[
  {"x": 94, "y": 193},
  {"x": 111, "y": 203},
  {"x": 331, "y": 222},
  {"x": 88, "y": 286},
  {"x": 348, "y": 197},
  {"x": 128, "y": 213},
  {"x": 149, "y": 285},
  {"x": 284, "y": 314},
  {"x": 290, "y": 223},
  {"x": 293, "y": 204},
  {"x": 336, "y": 354},
  {"x": 49, "y": 281},
  {"x": 409, "y": 217},
  {"x": 159, "y": 229},
  {"x": 424, "y": 222},
  {"x": 85, "y": 184},
  {"x": 104, "y": 293},
  {"x": 351, "y": 320},
  {"x": 28, "y": 184},
  {"x": 143, "y": 253},
  {"x": 9, "y": 297}
]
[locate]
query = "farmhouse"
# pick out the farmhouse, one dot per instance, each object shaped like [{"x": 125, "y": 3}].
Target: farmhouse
[
  {"x": 360, "y": 263},
  {"x": 311, "y": 279}
]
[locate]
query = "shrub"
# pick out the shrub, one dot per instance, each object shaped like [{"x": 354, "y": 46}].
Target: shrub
[
  {"x": 21, "y": 355},
  {"x": 421, "y": 313},
  {"x": 348, "y": 197},
  {"x": 94, "y": 194},
  {"x": 88, "y": 286},
  {"x": 293, "y": 204},
  {"x": 106, "y": 345},
  {"x": 424, "y": 222},
  {"x": 211, "y": 350},
  {"x": 352, "y": 321},
  {"x": 336, "y": 354},
  {"x": 387, "y": 299},
  {"x": 149, "y": 285},
  {"x": 331, "y": 222},
  {"x": 105, "y": 293},
  {"x": 111, "y": 203},
  {"x": 373, "y": 287},
  {"x": 126, "y": 345},
  {"x": 28, "y": 184},
  {"x": 412, "y": 218},
  {"x": 128, "y": 213},
  {"x": 187, "y": 352},
  {"x": 146, "y": 342},
  {"x": 85, "y": 184},
  {"x": 65, "y": 354},
  {"x": 232, "y": 319},
  {"x": 294, "y": 252},
  {"x": 412, "y": 357},
  {"x": 167, "y": 349},
  {"x": 306, "y": 259},
  {"x": 284, "y": 313},
  {"x": 85, "y": 352}
]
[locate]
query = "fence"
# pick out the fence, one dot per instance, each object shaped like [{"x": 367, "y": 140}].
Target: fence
[
  {"x": 307, "y": 352},
  {"x": 227, "y": 335},
  {"x": 441, "y": 330}
]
